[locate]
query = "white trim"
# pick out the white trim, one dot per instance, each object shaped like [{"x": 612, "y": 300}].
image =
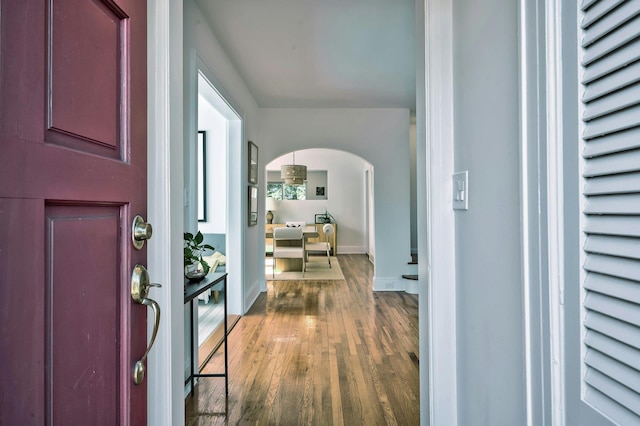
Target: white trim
[
  {"x": 525, "y": 22},
  {"x": 440, "y": 263},
  {"x": 555, "y": 203},
  {"x": 411, "y": 286},
  {"x": 533, "y": 189},
  {"x": 388, "y": 284},
  {"x": 352, "y": 249},
  {"x": 165, "y": 370},
  {"x": 421, "y": 226},
  {"x": 542, "y": 209}
]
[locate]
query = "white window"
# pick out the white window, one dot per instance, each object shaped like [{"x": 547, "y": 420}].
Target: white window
[{"x": 283, "y": 191}]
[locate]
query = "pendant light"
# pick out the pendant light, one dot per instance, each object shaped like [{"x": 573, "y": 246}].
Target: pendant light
[{"x": 293, "y": 174}]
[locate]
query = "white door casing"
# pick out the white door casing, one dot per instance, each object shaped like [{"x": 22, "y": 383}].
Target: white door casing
[{"x": 165, "y": 205}]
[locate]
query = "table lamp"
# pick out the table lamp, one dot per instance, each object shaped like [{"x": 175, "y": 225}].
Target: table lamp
[{"x": 271, "y": 206}]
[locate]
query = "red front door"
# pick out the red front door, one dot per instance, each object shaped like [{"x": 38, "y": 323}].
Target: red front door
[{"x": 72, "y": 177}]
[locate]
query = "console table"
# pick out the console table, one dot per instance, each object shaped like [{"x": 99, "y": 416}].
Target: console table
[{"x": 214, "y": 281}]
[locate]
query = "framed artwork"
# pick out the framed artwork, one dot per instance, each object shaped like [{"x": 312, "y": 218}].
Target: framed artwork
[
  {"x": 322, "y": 218},
  {"x": 201, "y": 159},
  {"x": 253, "y": 205},
  {"x": 253, "y": 163}
]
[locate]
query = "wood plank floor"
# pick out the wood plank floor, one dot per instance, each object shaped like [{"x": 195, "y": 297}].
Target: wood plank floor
[{"x": 320, "y": 353}]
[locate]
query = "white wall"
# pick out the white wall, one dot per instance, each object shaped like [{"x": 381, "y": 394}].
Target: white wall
[
  {"x": 379, "y": 136},
  {"x": 491, "y": 369},
  {"x": 199, "y": 42},
  {"x": 203, "y": 53},
  {"x": 345, "y": 190}
]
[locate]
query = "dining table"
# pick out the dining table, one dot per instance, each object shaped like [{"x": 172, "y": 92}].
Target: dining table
[{"x": 308, "y": 231}]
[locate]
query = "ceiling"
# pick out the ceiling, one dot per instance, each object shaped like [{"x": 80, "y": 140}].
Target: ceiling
[{"x": 320, "y": 53}]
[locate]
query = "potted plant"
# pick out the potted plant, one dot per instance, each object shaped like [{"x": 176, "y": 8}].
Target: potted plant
[{"x": 195, "y": 268}]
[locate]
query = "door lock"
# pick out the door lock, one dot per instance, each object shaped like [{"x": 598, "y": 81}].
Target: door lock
[{"x": 140, "y": 231}]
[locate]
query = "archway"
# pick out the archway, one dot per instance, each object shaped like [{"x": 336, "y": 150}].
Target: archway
[{"x": 338, "y": 184}]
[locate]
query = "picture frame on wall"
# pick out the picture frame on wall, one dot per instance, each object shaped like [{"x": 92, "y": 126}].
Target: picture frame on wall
[
  {"x": 322, "y": 218},
  {"x": 253, "y": 163},
  {"x": 253, "y": 205}
]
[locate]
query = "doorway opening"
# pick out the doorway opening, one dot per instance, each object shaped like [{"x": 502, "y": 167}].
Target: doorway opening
[
  {"x": 217, "y": 131},
  {"x": 337, "y": 190}
]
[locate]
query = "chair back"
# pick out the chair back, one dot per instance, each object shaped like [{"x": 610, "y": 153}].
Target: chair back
[
  {"x": 328, "y": 231},
  {"x": 287, "y": 233}
]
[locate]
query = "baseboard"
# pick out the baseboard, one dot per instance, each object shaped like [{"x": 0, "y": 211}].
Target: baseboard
[
  {"x": 388, "y": 284},
  {"x": 412, "y": 286},
  {"x": 351, "y": 250},
  {"x": 252, "y": 295}
]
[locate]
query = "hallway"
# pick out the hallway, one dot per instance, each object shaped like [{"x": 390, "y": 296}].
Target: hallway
[{"x": 331, "y": 352}]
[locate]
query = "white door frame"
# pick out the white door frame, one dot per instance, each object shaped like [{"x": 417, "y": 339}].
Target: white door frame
[
  {"x": 535, "y": 267},
  {"x": 435, "y": 92},
  {"x": 165, "y": 70},
  {"x": 554, "y": 249},
  {"x": 544, "y": 127},
  {"x": 165, "y": 372}
]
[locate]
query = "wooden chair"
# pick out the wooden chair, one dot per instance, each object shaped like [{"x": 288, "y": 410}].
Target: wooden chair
[
  {"x": 323, "y": 246},
  {"x": 288, "y": 243}
]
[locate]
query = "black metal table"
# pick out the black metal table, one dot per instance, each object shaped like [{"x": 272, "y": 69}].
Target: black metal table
[{"x": 214, "y": 281}]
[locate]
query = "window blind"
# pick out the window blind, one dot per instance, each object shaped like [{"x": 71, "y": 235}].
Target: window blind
[{"x": 611, "y": 207}]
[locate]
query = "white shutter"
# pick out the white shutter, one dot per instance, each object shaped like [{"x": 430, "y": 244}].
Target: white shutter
[{"x": 611, "y": 149}]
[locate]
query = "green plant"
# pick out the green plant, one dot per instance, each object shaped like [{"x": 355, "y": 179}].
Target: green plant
[{"x": 193, "y": 250}]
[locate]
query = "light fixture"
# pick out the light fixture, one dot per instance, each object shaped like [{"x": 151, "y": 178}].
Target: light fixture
[{"x": 293, "y": 174}]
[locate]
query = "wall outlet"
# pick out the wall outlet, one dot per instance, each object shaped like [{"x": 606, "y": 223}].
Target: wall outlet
[{"x": 461, "y": 190}]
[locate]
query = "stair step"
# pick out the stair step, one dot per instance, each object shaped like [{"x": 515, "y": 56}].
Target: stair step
[{"x": 410, "y": 277}]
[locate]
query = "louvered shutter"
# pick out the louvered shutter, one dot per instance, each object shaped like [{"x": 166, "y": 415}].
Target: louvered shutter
[{"x": 611, "y": 149}]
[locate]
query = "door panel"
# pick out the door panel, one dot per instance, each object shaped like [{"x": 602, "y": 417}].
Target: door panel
[
  {"x": 74, "y": 278},
  {"x": 83, "y": 109},
  {"x": 73, "y": 176}
]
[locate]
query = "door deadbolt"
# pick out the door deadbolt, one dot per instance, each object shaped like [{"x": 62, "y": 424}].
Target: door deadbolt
[{"x": 140, "y": 231}]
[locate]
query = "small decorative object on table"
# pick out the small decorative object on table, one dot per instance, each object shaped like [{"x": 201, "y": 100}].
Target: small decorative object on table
[
  {"x": 195, "y": 268},
  {"x": 194, "y": 273},
  {"x": 322, "y": 218}
]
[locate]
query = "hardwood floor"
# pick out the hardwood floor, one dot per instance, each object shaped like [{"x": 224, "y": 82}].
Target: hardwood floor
[{"x": 321, "y": 353}]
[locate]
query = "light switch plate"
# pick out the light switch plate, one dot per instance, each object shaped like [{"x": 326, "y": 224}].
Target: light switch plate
[{"x": 461, "y": 190}]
